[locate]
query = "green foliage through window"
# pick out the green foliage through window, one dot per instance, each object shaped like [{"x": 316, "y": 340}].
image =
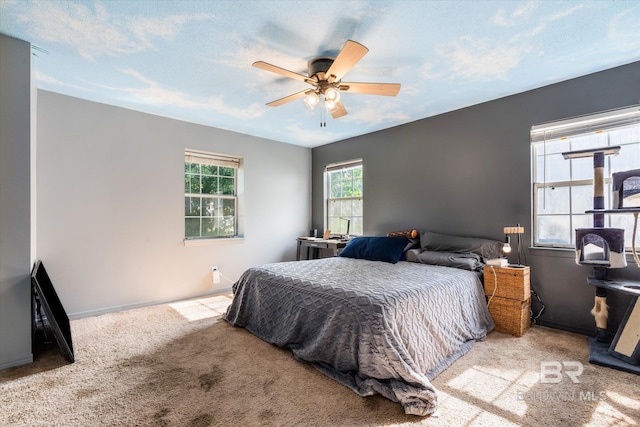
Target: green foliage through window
[
  {"x": 345, "y": 198},
  {"x": 210, "y": 201}
]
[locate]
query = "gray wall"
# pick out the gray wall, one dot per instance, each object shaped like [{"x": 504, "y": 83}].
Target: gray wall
[
  {"x": 111, "y": 205},
  {"x": 468, "y": 173},
  {"x": 15, "y": 202}
]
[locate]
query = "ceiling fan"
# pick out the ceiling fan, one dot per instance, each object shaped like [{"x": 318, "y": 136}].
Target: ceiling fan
[{"x": 325, "y": 75}]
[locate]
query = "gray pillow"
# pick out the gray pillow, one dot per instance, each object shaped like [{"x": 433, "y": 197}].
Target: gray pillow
[
  {"x": 412, "y": 255},
  {"x": 486, "y": 248},
  {"x": 466, "y": 261}
]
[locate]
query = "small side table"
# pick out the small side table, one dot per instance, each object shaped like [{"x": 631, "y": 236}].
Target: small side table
[
  {"x": 335, "y": 245},
  {"x": 510, "y": 293}
]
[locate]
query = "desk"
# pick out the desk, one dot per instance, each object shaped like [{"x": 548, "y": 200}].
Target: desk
[{"x": 334, "y": 245}]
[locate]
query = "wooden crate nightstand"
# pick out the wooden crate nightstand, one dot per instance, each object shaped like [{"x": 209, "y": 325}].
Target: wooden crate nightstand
[{"x": 511, "y": 303}]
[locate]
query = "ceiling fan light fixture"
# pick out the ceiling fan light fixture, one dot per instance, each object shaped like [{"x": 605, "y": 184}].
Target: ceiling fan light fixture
[
  {"x": 325, "y": 77},
  {"x": 332, "y": 94},
  {"x": 311, "y": 100},
  {"x": 331, "y": 106}
]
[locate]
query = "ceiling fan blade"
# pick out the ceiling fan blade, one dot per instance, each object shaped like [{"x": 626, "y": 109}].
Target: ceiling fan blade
[
  {"x": 339, "y": 111},
  {"x": 289, "y": 98},
  {"x": 351, "y": 53},
  {"x": 384, "y": 89},
  {"x": 278, "y": 70}
]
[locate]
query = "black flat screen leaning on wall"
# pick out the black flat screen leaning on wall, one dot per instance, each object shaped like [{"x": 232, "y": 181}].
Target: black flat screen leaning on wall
[{"x": 56, "y": 316}]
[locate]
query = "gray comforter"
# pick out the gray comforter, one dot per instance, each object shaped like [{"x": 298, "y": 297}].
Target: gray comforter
[{"x": 373, "y": 326}]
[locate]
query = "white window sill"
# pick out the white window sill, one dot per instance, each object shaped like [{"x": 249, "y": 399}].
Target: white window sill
[
  {"x": 552, "y": 251},
  {"x": 213, "y": 242},
  {"x": 566, "y": 252}
]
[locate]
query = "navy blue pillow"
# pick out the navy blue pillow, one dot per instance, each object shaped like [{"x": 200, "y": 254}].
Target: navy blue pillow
[{"x": 387, "y": 249}]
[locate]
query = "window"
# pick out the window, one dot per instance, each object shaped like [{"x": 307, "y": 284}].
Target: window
[
  {"x": 210, "y": 195},
  {"x": 563, "y": 189},
  {"x": 344, "y": 197}
]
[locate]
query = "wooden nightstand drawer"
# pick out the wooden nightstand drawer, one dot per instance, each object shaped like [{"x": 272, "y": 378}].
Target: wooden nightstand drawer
[{"x": 513, "y": 283}]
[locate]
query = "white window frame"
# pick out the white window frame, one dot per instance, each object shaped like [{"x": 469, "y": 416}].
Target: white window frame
[
  {"x": 342, "y": 229},
  {"x": 594, "y": 124},
  {"x": 214, "y": 159}
]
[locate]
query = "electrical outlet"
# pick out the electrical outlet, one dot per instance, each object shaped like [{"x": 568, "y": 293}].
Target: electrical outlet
[{"x": 216, "y": 274}]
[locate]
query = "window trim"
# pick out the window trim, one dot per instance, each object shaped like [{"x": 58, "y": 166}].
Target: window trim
[
  {"x": 588, "y": 123},
  {"x": 568, "y": 128},
  {"x": 215, "y": 159},
  {"x": 332, "y": 167}
]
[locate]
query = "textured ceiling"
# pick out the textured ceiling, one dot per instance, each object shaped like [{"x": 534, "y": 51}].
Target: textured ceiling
[{"x": 191, "y": 60}]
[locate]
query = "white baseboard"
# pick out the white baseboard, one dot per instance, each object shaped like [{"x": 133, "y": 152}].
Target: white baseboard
[
  {"x": 115, "y": 309},
  {"x": 19, "y": 362}
]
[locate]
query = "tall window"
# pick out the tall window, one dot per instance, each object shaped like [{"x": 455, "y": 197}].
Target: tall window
[
  {"x": 563, "y": 189},
  {"x": 210, "y": 195},
  {"x": 344, "y": 197}
]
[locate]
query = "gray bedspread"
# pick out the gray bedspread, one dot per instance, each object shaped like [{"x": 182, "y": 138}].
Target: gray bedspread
[{"x": 373, "y": 326}]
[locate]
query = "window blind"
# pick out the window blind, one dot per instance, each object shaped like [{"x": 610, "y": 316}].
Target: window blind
[
  {"x": 343, "y": 165},
  {"x": 193, "y": 156},
  {"x": 586, "y": 124}
]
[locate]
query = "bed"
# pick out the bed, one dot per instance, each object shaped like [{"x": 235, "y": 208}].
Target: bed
[{"x": 375, "y": 326}]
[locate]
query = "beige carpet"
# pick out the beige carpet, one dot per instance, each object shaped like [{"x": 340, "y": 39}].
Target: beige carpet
[{"x": 181, "y": 365}]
